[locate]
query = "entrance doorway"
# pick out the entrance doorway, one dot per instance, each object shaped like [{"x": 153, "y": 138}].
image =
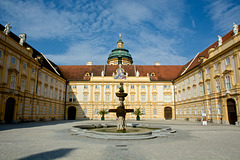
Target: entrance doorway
[
  {"x": 232, "y": 113},
  {"x": 9, "y": 110},
  {"x": 168, "y": 113},
  {"x": 71, "y": 113}
]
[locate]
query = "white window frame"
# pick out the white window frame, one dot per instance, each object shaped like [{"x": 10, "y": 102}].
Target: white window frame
[
  {"x": 13, "y": 81},
  {"x": 218, "y": 85},
  {"x": 85, "y": 98},
  {"x": 13, "y": 60},
  {"x": 143, "y": 98},
  {"x": 227, "y": 60},
  {"x": 154, "y": 98},
  {"x": 107, "y": 97},
  {"x": 228, "y": 82}
]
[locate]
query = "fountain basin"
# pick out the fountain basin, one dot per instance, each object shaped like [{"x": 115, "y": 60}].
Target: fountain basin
[{"x": 108, "y": 132}]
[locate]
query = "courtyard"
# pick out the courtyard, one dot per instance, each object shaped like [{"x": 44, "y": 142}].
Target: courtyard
[{"x": 52, "y": 140}]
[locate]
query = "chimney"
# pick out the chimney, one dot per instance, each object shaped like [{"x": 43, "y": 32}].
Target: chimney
[
  {"x": 157, "y": 63},
  {"x": 89, "y": 63}
]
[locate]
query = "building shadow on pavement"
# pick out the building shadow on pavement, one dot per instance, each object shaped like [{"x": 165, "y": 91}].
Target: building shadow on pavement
[
  {"x": 4, "y": 127},
  {"x": 49, "y": 155}
]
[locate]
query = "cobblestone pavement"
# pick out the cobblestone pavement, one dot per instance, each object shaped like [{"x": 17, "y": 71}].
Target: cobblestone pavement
[{"x": 51, "y": 140}]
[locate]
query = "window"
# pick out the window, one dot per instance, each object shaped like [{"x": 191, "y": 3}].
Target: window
[
  {"x": 45, "y": 92},
  {"x": 132, "y": 97},
  {"x": 132, "y": 86},
  {"x": 85, "y": 86},
  {"x": 107, "y": 86},
  {"x": 37, "y": 109},
  {"x": 228, "y": 82},
  {"x": 216, "y": 66},
  {"x": 165, "y": 86},
  {"x": 207, "y": 70},
  {"x": 154, "y": 98},
  {"x": 227, "y": 60},
  {"x": 60, "y": 96},
  {"x": 85, "y": 111},
  {"x": 96, "y": 97},
  {"x": 24, "y": 65},
  {"x": 143, "y": 98},
  {"x": 13, "y": 60},
  {"x": 167, "y": 98},
  {"x": 107, "y": 97},
  {"x": 72, "y": 98},
  {"x": 154, "y": 87},
  {"x": 46, "y": 77},
  {"x": 200, "y": 74},
  {"x": 13, "y": 82},
  {"x": 55, "y": 110},
  {"x": 96, "y": 86},
  {"x": 154, "y": 111},
  {"x": 23, "y": 82},
  {"x": 44, "y": 109},
  {"x": 51, "y": 93},
  {"x": 194, "y": 77},
  {"x": 143, "y": 86},
  {"x": 201, "y": 90},
  {"x": 143, "y": 111},
  {"x": 208, "y": 88},
  {"x": 31, "y": 87},
  {"x": 85, "y": 97},
  {"x": 33, "y": 70},
  {"x": 219, "y": 109},
  {"x": 30, "y": 108},
  {"x": 96, "y": 111},
  {"x": 50, "y": 110},
  {"x": 73, "y": 86},
  {"x": 218, "y": 85},
  {"x": 0, "y": 54},
  {"x": 21, "y": 108},
  {"x": 39, "y": 89},
  {"x": 118, "y": 86},
  {"x": 189, "y": 93}
]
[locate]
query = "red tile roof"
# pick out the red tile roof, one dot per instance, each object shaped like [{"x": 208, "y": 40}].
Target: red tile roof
[
  {"x": 204, "y": 53},
  {"x": 163, "y": 72}
]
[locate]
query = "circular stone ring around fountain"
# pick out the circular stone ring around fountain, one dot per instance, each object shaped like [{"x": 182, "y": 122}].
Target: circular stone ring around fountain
[{"x": 133, "y": 132}]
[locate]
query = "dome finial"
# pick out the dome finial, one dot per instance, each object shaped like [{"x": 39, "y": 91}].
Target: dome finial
[{"x": 120, "y": 36}]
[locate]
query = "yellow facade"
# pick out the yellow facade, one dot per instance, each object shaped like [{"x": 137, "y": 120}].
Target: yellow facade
[
  {"x": 99, "y": 93},
  {"x": 25, "y": 86},
  {"x": 209, "y": 87},
  {"x": 33, "y": 91}
]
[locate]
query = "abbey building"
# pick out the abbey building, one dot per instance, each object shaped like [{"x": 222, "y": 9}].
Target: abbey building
[{"x": 33, "y": 88}]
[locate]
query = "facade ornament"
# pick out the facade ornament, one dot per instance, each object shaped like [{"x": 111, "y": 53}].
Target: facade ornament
[
  {"x": 7, "y": 29},
  {"x": 137, "y": 74},
  {"x": 235, "y": 29},
  {"x": 219, "y": 40},
  {"x": 102, "y": 73},
  {"x": 23, "y": 38}
]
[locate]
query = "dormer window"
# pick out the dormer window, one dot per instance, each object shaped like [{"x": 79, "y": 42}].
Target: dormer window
[
  {"x": 152, "y": 74},
  {"x": 87, "y": 75}
]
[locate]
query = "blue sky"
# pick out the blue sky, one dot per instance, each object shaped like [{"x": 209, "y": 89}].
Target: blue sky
[{"x": 71, "y": 32}]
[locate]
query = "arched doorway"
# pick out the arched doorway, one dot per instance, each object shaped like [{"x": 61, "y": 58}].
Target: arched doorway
[
  {"x": 9, "y": 110},
  {"x": 232, "y": 113},
  {"x": 168, "y": 113},
  {"x": 71, "y": 113}
]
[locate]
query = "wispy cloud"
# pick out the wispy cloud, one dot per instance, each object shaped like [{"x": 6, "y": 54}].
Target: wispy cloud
[
  {"x": 149, "y": 28},
  {"x": 223, "y": 13}
]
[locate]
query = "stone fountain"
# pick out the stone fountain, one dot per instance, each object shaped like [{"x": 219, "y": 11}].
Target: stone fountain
[{"x": 121, "y": 111}]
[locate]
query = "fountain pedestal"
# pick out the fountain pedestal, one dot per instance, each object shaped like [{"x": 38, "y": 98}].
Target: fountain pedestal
[{"x": 121, "y": 111}]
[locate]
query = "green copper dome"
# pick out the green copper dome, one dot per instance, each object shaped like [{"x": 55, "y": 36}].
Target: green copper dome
[{"x": 120, "y": 52}]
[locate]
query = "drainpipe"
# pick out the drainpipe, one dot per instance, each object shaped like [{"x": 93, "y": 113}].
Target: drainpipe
[{"x": 65, "y": 103}]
